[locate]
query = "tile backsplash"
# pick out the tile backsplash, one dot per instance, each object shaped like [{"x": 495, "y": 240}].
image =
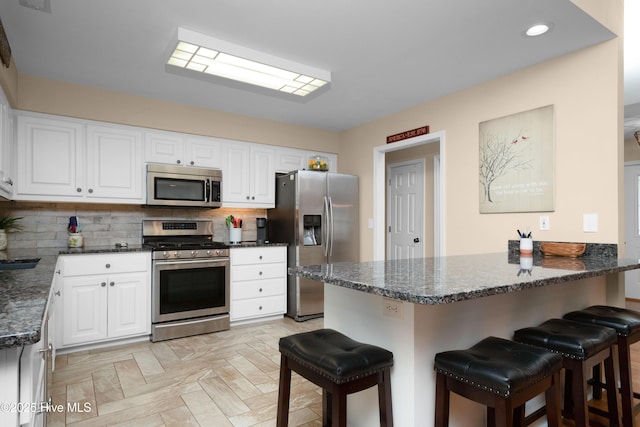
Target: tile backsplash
[{"x": 45, "y": 224}]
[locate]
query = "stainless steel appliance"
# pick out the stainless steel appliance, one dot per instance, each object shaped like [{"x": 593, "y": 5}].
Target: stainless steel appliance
[
  {"x": 183, "y": 186},
  {"x": 316, "y": 214},
  {"x": 190, "y": 278}
]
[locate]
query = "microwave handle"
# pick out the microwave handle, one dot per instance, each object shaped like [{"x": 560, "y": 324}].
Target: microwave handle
[{"x": 207, "y": 190}]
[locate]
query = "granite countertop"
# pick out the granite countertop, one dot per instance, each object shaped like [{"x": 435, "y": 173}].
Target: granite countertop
[{"x": 443, "y": 280}]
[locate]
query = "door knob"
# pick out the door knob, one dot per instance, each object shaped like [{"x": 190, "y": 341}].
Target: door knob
[{"x": 416, "y": 240}]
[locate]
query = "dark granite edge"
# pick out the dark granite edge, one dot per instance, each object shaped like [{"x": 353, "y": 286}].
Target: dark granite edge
[{"x": 601, "y": 250}]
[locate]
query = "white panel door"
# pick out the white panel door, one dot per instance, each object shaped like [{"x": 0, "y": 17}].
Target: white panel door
[
  {"x": 632, "y": 227},
  {"x": 203, "y": 152},
  {"x": 84, "y": 300},
  {"x": 263, "y": 168},
  {"x": 405, "y": 201}
]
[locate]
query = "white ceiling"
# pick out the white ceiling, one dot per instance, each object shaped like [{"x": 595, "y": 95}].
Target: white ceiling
[{"x": 385, "y": 56}]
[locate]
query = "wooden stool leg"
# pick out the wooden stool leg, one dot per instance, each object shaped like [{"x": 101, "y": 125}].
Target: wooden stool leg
[
  {"x": 339, "y": 408},
  {"x": 579, "y": 376},
  {"x": 442, "y": 401},
  {"x": 384, "y": 399},
  {"x": 612, "y": 391},
  {"x": 626, "y": 389},
  {"x": 326, "y": 408},
  {"x": 504, "y": 413},
  {"x": 552, "y": 398},
  {"x": 284, "y": 393}
]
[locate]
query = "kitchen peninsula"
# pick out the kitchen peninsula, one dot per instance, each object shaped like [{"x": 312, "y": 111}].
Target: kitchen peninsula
[{"x": 417, "y": 308}]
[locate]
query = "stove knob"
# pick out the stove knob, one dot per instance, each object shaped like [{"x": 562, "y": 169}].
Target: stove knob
[
  {"x": 218, "y": 252},
  {"x": 208, "y": 252},
  {"x": 193, "y": 254},
  {"x": 165, "y": 254},
  {"x": 176, "y": 254}
]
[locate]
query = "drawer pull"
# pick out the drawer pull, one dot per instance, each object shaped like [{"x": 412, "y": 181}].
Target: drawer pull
[
  {"x": 112, "y": 284},
  {"x": 108, "y": 266},
  {"x": 260, "y": 274},
  {"x": 260, "y": 308},
  {"x": 103, "y": 284},
  {"x": 260, "y": 257},
  {"x": 260, "y": 290}
]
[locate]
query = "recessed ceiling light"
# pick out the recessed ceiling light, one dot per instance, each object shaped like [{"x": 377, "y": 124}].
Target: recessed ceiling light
[
  {"x": 538, "y": 29},
  {"x": 200, "y": 53}
]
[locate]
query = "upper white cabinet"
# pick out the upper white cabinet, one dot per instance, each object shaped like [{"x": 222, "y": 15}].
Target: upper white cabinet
[
  {"x": 248, "y": 175},
  {"x": 291, "y": 159},
  {"x": 50, "y": 158},
  {"x": 6, "y": 148},
  {"x": 180, "y": 149},
  {"x": 68, "y": 160}
]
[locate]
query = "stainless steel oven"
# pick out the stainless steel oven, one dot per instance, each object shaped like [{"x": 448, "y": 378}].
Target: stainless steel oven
[{"x": 190, "y": 279}]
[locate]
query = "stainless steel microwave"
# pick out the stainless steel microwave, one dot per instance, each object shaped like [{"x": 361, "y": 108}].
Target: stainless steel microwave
[{"x": 183, "y": 186}]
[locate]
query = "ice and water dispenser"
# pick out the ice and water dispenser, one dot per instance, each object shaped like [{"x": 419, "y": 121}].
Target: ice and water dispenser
[{"x": 312, "y": 230}]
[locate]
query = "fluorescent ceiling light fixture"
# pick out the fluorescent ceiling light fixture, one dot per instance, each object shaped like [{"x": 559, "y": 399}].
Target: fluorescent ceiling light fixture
[
  {"x": 204, "y": 54},
  {"x": 538, "y": 29}
]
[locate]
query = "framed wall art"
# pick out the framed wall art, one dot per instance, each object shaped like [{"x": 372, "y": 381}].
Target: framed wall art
[{"x": 517, "y": 162}]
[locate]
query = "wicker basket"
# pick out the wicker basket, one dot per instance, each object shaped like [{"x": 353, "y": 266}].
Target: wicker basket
[{"x": 571, "y": 250}]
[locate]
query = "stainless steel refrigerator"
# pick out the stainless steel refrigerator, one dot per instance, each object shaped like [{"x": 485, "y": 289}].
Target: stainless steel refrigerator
[{"x": 316, "y": 214}]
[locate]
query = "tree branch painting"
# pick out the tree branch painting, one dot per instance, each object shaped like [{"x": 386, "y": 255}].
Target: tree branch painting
[{"x": 516, "y": 169}]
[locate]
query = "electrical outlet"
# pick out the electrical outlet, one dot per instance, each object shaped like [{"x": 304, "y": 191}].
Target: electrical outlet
[
  {"x": 392, "y": 308},
  {"x": 544, "y": 223}
]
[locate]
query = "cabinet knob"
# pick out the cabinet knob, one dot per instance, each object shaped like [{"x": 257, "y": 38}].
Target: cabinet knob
[
  {"x": 253, "y": 198},
  {"x": 108, "y": 266},
  {"x": 57, "y": 293},
  {"x": 192, "y": 163},
  {"x": 112, "y": 283},
  {"x": 260, "y": 273},
  {"x": 178, "y": 162},
  {"x": 260, "y": 257},
  {"x": 247, "y": 197},
  {"x": 79, "y": 190},
  {"x": 90, "y": 190},
  {"x": 260, "y": 290},
  {"x": 260, "y": 308},
  {"x": 58, "y": 272},
  {"x": 103, "y": 284}
]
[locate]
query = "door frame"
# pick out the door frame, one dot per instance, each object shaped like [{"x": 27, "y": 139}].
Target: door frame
[{"x": 380, "y": 199}]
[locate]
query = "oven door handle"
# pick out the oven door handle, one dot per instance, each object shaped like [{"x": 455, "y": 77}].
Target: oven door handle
[{"x": 203, "y": 261}]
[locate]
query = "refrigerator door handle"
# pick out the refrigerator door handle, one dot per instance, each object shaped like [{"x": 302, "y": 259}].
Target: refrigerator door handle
[
  {"x": 325, "y": 225},
  {"x": 330, "y": 226}
]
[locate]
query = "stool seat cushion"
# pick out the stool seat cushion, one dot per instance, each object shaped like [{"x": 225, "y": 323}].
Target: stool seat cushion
[
  {"x": 498, "y": 365},
  {"x": 624, "y": 321},
  {"x": 572, "y": 339},
  {"x": 334, "y": 355}
]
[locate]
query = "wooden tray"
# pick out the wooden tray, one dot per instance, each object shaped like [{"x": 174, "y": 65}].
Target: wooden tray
[{"x": 571, "y": 250}]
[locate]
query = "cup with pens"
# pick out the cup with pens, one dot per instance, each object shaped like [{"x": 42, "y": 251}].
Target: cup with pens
[
  {"x": 235, "y": 229},
  {"x": 526, "y": 243}
]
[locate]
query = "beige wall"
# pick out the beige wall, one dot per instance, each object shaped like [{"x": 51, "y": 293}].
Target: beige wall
[
  {"x": 588, "y": 150},
  {"x": 55, "y": 97}
]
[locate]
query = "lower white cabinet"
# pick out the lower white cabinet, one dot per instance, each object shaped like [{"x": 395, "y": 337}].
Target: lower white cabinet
[
  {"x": 104, "y": 297},
  {"x": 258, "y": 282}
]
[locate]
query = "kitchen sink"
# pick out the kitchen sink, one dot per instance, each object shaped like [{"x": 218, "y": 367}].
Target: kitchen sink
[{"x": 18, "y": 263}]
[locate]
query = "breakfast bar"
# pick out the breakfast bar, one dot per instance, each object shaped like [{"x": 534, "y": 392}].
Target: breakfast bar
[{"x": 419, "y": 307}]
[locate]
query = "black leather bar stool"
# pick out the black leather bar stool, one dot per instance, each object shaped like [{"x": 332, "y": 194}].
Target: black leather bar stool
[
  {"x": 501, "y": 375},
  {"x": 340, "y": 366},
  {"x": 627, "y": 325},
  {"x": 582, "y": 346}
]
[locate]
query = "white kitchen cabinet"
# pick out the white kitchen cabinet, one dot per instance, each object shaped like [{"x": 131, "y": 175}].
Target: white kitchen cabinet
[
  {"x": 181, "y": 149},
  {"x": 104, "y": 297},
  {"x": 258, "y": 282},
  {"x": 115, "y": 168},
  {"x": 50, "y": 158},
  {"x": 69, "y": 160},
  {"x": 6, "y": 148},
  {"x": 248, "y": 175},
  {"x": 291, "y": 159}
]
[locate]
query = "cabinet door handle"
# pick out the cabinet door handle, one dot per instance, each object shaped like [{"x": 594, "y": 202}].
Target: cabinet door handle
[
  {"x": 91, "y": 190},
  {"x": 103, "y": 284},
  {"x": 192, "y": 163},
  {"x": 260, "y": 273},
  {"x": 260, "y": 290},
  {"x": 57, "y": 293},
  {"x": 260, "y": 257},
  {"x": 58, "y": 272},
  {"x": 260, "y": 308},
  {"x": 112, "y": 284},
  {"x": 108, "y": 266},
  {"x": 79, "y": 190},
  {"x": 178, "y": 162}
]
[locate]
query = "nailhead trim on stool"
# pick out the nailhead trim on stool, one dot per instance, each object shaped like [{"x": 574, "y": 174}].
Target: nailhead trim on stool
[
  {"x": 582, "y": 346},
  {"x": 501, "y": 375},
  {"x": 340, "y": 366},
  {"x": 627, "y": 325}
]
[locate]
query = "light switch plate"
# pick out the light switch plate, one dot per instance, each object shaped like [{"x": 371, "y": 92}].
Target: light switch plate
[
  {"x": 544, "y": 222},
  {"x": 590, "y": 223}
]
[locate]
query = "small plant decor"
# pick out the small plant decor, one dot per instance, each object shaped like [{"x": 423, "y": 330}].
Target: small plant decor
[{"x": 10, "y": 223}]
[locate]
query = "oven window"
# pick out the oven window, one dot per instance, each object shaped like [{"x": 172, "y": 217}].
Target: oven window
[
  {"x": 179, "y": 189},
  {"x": 192, "y": 289}
]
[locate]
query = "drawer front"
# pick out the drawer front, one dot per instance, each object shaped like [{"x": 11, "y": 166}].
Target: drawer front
[
  {"x": 257, "y": 288},
  {"x": 83, "y": 265},
  {"x": 244, "y": 256},
  {"x": 258, "y": 272},
  {"x": 258, "y": 307}
]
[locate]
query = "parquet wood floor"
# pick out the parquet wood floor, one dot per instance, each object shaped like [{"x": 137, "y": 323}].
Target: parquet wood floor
[{"x": 225, "y": 379}]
